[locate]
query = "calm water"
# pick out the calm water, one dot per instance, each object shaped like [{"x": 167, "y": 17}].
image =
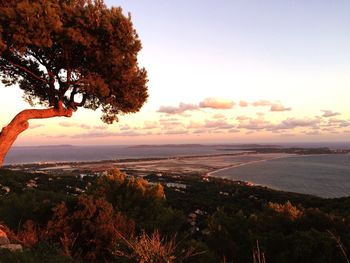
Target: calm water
[
  {"x": 322, "y": 175},
  {"x": 18, "y": 155}
]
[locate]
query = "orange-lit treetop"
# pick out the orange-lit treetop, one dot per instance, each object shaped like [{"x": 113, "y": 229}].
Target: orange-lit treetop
[{"x": 67, "y": 54}]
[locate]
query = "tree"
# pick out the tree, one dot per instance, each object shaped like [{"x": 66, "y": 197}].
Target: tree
[{"x": 66, "y": 54}]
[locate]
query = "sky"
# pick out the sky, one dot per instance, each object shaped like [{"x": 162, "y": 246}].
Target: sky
[{"x": 223, "y": 72}]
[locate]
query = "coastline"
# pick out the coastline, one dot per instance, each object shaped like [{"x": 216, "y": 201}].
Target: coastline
[
  {"x": 333, "y": 187},
  {"x": 212, "y": 173}
]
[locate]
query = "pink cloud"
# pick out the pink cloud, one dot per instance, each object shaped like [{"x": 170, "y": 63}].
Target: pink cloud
[
  {"x": 242, "y": 118},
  {"x": 279, "y": 107},
  {"x": 215, "y": 103},
  {"x": 72, "y": 124},
  {"x": 125, "y": 128},
  {"x": 105, "y": 134},
  {"x": 194, "y": 125},
  {"x": 219, "y": 116},
  {"x": 261, "y": 103},
  {"x": 219, "y": 124},
  {"x": 148, "y": 125},
  {"x": 34, "y": 126},
  {"x": 67, "y": 124},
  {"x": 101, "y": 127},
  {"x": 178, "y": 110},
  {"x": 171, "y": 123},
  {"x": 254, "y": 124},
  {"x": 176, "y": 132},
  {"x": 243, "y": 103},
  {"x": 329, "y": 113}
]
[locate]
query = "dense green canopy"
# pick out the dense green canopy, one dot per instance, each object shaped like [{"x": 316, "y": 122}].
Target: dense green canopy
[{"x": 74, "y": 52}]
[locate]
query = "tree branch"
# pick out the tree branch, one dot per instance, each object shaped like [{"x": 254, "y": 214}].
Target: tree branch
[
  {"x": 20, "y": 123},
  {"x": 79, "y": 104},
  {"x": 28, "y": 71}
]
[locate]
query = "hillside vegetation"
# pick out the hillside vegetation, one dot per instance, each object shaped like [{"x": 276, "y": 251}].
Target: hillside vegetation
[{"x": 117, "y": 218}]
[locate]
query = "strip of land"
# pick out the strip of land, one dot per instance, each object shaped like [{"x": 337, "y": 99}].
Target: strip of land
[{"x": 199, "y": 165}]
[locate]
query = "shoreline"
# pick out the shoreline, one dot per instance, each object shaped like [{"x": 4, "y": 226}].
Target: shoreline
[
  {"x": 153, "y": 159},
  {"x": 132, "y": 160},
  {"x": 323, "y": 193},
  {"x": 212, "y": 173}
]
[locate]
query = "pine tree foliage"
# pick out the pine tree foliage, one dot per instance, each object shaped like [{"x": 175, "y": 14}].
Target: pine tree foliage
[{"x": 75, "y": 52}]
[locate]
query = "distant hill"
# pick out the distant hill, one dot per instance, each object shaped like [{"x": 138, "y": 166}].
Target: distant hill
[
  {"x": 205, "y": 145},
  {"x": 166, "y": 145}
]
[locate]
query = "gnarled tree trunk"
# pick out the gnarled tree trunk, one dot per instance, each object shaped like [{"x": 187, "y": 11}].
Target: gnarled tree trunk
[{"x": 20, "y": 123}]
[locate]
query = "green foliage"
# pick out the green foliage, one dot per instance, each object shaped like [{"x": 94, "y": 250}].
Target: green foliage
[
  {"x": 23, "y": 203},
  {"x": 230, "y": 235},
  {"x": 64, "y": 51},
  {"x": 43, "y": 252},
  {"x": 30, "y": 205},
  {"x": 126, "y": 219}
]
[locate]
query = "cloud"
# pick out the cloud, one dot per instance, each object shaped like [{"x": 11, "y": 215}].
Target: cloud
[
  {"x": 331, "y": 129},
  {"x": 219, "y": 116},
  {"x": 59, "y": 136},
  {"x": 104, "y": 127},
  {"x": 72, "y": 124},
  {"x": 178, "y": 110},
  {"x": 67, "y": 124},
  {"x": 175, "y": 132},
  {"x": 199, "y": 131},
  {"x": 292, "y": 123},
  {"x": 274, "y": 106},
  {"x": 194, "y": 125},
  {"x": 171, "y": 123},
  {"x": 215, "y": 103},
  {"x": 279, "y": 107},
  {"x": 287, "y": 134},
  {"x": 312, "y": 133},
  {"x": 261, "y": 103},
  {"x": 129, "y": 133},
  {"x": 210, "y": 126},
  {"x": 148, "y": 125},
  {"x": 242, "y": 118},
  {"x": 338, "y": 123},
  {"x": 125, "y": 128},
  {"x": 84, "y": 126},
  {"x": 329, "y": 113},
  {"x": 260, "y": 124},
  {"x": 255, "y": 124},
  {"x": 36, "y": 125},
  {"x": 101, "y": 134},
  {"x": 164, "y": 120},
  {"x": 243, "y": 103},
  {"x": 219, "y": 124}
]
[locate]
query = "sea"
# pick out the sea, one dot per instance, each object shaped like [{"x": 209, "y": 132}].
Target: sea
[
  {"x": 326, "y": 175},
  {"x": 70, "y": 153},
  {"x": 321, "y": 175}
]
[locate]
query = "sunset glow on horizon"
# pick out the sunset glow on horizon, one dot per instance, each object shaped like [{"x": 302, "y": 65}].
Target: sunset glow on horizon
[{"x": 223, "y": 72}]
